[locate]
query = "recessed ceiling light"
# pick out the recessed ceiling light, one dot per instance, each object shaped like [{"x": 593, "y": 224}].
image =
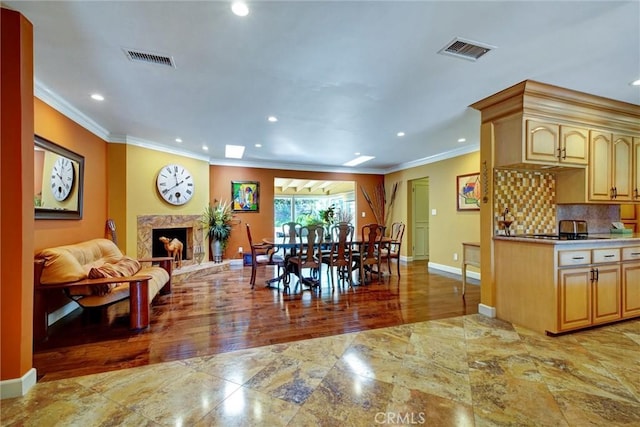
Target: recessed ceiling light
[
  {"x": 400, "y": 134},
  {"x": 462, "y": 139},
  {"x": 635, "y": 83},
  {"x": 358, "y": 160},
  {"x": 205, "y": 148},
  {"x": 178, "y": 139},
  {"x": 258, "y": 145},
  {"x": 240, "y": 8},
  {"x": 272, "y": 119},
  {"x": 97, "y": 97},
  {"x": 233, "y": 151}
]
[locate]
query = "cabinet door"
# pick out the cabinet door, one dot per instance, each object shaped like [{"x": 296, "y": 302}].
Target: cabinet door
[
  {"x": 606, "y": 294},
  {"x": 635, "y": 193},
  {"x": 622, "y": 167},
  {"x": 600, "y": 187},
  {"x": 542, "y": 141},
  {"x": 575, "y": 298},
  {"x": 631, "y": 289},
  {"x": 574, "y": 145}
]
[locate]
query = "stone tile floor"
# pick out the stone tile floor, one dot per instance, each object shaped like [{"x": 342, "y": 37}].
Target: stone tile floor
[{"x": 461, "y": 371}]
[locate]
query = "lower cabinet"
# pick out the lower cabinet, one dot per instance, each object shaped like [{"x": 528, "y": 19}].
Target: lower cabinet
[
  {"x": 575, "y": 298},
  {"x": 606, "y": 294},
  {"x": 630, "y": 289},
  {"x": 556, "y": 288},
  {"x": 590, "y": 294}
]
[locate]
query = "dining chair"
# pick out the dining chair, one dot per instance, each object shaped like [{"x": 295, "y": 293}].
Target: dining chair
[
  {"x": 340, "y": 253},
  {"x": 263, "y": 254},
  {"x": 369, "y": 253},
  {"x": 391, "y": 250},
  {"x": 308, "y": 254}
]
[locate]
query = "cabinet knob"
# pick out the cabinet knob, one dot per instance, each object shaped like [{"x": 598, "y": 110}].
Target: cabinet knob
[{"x": 564, "y": 153}]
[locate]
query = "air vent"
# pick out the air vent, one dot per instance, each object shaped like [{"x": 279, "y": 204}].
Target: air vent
[
  {"x": 466, "y": 49},
  {"x": 149, "y": 57}
]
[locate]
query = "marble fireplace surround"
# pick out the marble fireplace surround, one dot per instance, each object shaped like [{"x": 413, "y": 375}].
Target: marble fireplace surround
[{"x": 147, "y": 223}]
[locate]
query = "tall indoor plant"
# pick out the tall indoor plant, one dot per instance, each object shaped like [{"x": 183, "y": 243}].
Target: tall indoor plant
[{"x": 217, "y": 221}]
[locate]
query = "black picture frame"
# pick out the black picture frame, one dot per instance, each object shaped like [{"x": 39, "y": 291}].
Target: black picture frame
[
  {"x": 70, "y": 208},
  {"x": 245, "y": 196}
]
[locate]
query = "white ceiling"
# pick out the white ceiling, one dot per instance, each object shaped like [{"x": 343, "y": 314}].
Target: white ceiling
[{"x": 341, "y": 76}]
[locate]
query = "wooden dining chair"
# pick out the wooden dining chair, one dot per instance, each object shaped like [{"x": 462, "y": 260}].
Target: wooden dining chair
[
  {"x": 263, "y": 254},
  {"x": 308, "y": 254},
  {"x": 369, "y": 253},
  {"x": 391, "y": 250},
  {"x": 340, "y": 254}
]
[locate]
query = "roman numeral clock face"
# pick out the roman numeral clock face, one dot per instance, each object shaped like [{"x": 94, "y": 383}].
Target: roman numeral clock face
[
  {"x": 175, "y": 184},
  {"x": 62, "y": 177}
]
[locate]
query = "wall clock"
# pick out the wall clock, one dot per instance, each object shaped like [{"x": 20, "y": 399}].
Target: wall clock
[
  {"x": 175, "y": 184},
  {"x": 62, "y": 178}
]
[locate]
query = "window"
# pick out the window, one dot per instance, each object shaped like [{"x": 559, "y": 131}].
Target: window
[{"x": 306, "y": 209}]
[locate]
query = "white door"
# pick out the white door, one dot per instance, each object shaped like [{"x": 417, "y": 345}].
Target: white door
[{"x": 420, "y": 191}]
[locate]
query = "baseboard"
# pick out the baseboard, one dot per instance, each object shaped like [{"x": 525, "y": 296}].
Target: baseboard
[
  {"x": 18, "y": 387},
  {"x": 486, "y": 310},
  {"x": 61, "y": 312},
  {"x": 453, "y": 270}
]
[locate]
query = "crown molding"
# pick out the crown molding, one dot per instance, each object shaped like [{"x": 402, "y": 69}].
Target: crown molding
[
  {"x": 435, "y": 158},
  {"x": 54, "y": 100}
]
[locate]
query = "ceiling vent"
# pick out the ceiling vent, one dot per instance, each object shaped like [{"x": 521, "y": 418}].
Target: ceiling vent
[
  {"x": 149, "y": 57},
  {"x": 465, "y": 49}
]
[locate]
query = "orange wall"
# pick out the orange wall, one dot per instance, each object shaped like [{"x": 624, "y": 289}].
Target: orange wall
[
  {"x": 220, "y": 178},
  {"x": 57, "y": 128},
  {"x": 16, "y": 197}
]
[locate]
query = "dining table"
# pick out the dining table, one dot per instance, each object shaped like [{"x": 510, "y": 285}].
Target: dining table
[{"x": 358, "y": 247}]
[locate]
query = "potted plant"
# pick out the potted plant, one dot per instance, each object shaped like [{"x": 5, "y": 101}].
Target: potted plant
[{"x": 217, "y": 221}]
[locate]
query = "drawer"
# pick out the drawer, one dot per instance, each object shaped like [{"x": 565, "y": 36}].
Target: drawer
[
  {"x": 574, "y": 257},
  {"x": 606, "y": 255},
  {"x": 631, "y": 253}
]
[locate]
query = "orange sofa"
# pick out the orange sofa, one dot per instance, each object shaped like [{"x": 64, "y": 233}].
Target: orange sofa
[{"x": 96, "y": 273}]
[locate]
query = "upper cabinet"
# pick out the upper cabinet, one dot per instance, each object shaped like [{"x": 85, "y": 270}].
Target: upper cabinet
[
  {"x": 554, "y": 144},
  {"x": 610, "y": 167},
  {"x": 591, "y": 143},
  {"x": 635, "y": 193}
]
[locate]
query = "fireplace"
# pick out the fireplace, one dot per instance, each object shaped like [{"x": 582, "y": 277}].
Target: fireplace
[
  {"x": 180, "y": 233},
  {"x": 187, "y": 228}
]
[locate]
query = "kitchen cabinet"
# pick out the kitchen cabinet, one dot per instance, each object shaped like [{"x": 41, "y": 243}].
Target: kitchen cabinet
[
  {"x": 636, "y": 170},
  {"x": 575, "y": 298},
  {"x": 531, "y": 143},
  {"x": 556, "y": 144},
  {"x": 561, "y": 286},
  {"x": 589, "y": 295},
  {"x": 631, "y": 282},
  {"x": 610, "y": 166}
]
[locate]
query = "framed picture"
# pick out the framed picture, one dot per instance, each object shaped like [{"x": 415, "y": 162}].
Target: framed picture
[
  {"x": 245, "y": 196},
  {"x": 468, "y": 192}
]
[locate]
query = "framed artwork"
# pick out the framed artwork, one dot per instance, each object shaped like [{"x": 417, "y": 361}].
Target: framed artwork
[
  {"x": 245, "y": 196},
  {"x": 468, "y": 192}
]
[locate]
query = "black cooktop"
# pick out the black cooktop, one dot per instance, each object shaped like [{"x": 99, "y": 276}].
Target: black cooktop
[{"x": 561, "y": 236}]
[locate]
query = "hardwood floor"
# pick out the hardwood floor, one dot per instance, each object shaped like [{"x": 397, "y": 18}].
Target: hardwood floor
[{"x": 223, "y": 314}]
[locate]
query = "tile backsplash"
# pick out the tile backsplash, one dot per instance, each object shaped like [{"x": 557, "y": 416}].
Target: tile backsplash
[{"x": 530, "y": 198}]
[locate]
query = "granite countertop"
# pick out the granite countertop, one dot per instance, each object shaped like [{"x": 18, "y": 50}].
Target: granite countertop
[{"x": 592, "y": 238}]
